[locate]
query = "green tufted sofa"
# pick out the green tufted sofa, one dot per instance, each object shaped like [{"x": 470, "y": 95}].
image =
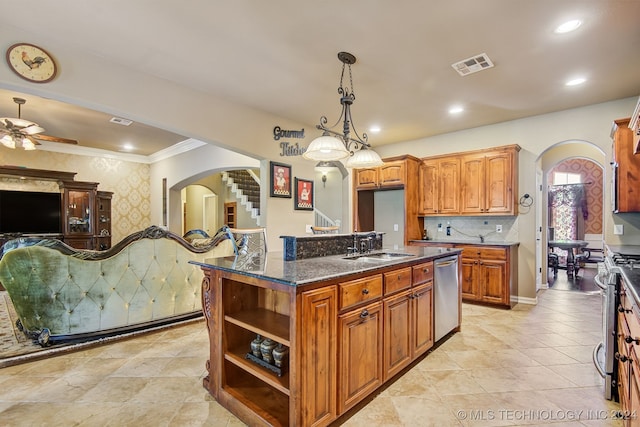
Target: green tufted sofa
[{"x": 63, "y": 294}]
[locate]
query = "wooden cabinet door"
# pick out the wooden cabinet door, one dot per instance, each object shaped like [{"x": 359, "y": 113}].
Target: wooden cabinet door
[
  {"x": 634, "y": 388},
  {"x": 367, "y": 178},
  {"x": 469, "y": 279},
  {"x": 428, "y": 181},
  {"x": 422, "y": 313},
  {"x": 493, "y": 278},
  {"x": 498, "y": 183},
  {"x": 391, "y": 173},
  {"x": 472, "y": 185},
  {"x": 318, "y": 357},
  {"x": 360, "y": 358},
  {"x": 449, "y": 186},
  {"x": 627, "y": 178},
  {"x": 397, "y": 333}
]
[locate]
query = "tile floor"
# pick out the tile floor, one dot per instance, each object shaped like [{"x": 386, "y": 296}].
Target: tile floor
[{"x": 530, "y": 365}]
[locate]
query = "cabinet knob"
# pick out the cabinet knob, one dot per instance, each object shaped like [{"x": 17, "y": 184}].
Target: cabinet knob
[
  {"x": 364, "y": 314},
  {"x": 425, "y": 270},
  {"x": 621, "y": 357},
  {"x": 365, "y": 291},
  {"x": 630, "y": 340},
  {"x": 399, "y": 277}
]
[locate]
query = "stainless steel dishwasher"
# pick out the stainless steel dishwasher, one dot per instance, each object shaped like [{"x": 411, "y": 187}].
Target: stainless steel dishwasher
[{"x": 446, "y": 293}]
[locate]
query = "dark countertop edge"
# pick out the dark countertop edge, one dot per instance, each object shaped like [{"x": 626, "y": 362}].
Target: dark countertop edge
[
  {"x": 632, "y": 279},
  {"x": 624, "y": 249},
  {"x": 318, "y": 279},
  {"x": 466, "y": 242}
]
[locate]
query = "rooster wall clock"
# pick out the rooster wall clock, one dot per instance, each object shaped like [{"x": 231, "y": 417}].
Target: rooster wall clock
[{"x": 31, "y": 62}]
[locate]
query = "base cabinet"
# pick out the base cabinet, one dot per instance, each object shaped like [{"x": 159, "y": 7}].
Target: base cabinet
[
  {"x": 487, "y": 275},
  {"x": 318, "y": 368},
  {"x": 360, "y": 354},
  {"x": 344, "y": 340},
  {"x": 627, "y": 358}
]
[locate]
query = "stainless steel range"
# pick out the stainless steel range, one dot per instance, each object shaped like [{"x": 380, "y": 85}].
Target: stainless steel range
[{"x": 608, "y": 279}]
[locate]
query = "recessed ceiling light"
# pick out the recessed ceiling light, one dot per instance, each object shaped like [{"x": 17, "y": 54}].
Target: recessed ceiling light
[
  {"x": 374, "y": 129},
  {"x": 127, "y": 147},
  {"x": 576, "y": 82},
  {"x": 456, "y": 110},
  {"x": 568, "y": 26}
]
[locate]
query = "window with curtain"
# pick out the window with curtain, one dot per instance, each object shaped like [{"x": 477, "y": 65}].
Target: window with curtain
[{"x": 567, "y": 212}]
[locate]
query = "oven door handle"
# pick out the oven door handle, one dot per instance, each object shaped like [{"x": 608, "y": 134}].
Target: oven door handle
[
  {"x": 594, "y": 355},
  {"x": 599, "y": 283}
]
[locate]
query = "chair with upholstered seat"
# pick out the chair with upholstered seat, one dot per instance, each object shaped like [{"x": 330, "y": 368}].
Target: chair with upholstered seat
[{"x": 325, "y": 230}]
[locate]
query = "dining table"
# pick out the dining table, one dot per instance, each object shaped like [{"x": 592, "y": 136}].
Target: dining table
[{"x": 570, "y": 246}]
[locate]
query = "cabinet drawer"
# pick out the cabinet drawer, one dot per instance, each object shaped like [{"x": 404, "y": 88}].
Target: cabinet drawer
[
  {"x": 422, "y": 273},
  {"x": 397, "y": 280},
  {"x": 493, "y": 253},
  {"x": 360, "y": 290}
]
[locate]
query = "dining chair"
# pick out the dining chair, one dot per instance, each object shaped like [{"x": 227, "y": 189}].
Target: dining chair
[
  {"x": 325, "y": 230},
  {"x": 248, "y": 240}
]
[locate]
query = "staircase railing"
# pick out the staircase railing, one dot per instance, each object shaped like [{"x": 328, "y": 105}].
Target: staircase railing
[{"x": 322, "y": 220}]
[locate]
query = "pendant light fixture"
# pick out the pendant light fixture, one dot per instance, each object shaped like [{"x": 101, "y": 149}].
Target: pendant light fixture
[{"x": 333, "y": 145}]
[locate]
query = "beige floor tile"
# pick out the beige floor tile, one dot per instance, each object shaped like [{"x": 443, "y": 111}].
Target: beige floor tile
[{"x": 530, "y": 358}]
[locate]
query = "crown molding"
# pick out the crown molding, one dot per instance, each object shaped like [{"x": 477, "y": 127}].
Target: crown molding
[{"x": 181, "y": 147}]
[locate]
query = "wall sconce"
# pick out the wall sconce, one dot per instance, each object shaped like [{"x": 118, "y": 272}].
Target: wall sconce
[{"x": 324, "y": 179}]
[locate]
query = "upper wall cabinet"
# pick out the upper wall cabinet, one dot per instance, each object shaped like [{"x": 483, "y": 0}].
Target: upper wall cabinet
[
  {"x": 626, "y": 169},
  {"x": 487, "y": 183},
  {"x": 439, "y": 186},
  {"x": 396, "y": 173},
  {"x": 634, "y": 125},
  {"x": 471, "y": 183},
  {"x": 391, "y": 174}
]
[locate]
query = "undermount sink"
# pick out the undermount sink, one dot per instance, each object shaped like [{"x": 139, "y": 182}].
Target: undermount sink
[{"x": 377, "y": 256}]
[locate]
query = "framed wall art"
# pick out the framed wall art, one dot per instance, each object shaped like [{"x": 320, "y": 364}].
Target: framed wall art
[
  {"x": 280, "y": 180},
  {"x": 304, "y": 194}
]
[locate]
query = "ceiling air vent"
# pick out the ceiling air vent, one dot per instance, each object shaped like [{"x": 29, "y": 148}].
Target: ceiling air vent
[
  {"x": 473, "y": 65},
  {"x": 121, "y": 121}
]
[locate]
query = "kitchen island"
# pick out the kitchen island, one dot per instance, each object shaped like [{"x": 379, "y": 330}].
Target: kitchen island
[{"x": 340, "y": 327}]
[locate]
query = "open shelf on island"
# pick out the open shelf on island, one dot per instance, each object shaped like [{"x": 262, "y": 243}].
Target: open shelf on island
[
  {"x": 266, "y": 402},
  {"x": 237, "y": 357},
  {"x": 264, "y": 322}
]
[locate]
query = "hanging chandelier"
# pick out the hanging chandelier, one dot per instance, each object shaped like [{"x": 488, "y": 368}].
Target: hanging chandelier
[
  {"x": 334, "y": 145},
  {"x": 16, "y": 132}
]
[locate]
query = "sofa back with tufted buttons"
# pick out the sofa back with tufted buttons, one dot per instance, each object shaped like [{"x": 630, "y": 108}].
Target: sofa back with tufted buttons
[{"x": 144, "y": 280}]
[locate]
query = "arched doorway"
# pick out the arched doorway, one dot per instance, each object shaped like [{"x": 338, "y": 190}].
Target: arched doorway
[{"x": 570, "y": 161}]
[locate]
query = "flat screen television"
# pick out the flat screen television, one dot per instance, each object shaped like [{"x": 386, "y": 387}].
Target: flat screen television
[{"x": 30, "y": 212}]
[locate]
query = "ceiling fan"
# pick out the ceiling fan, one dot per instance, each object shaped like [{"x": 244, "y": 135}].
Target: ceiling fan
[{"x": 18, "y": 132}]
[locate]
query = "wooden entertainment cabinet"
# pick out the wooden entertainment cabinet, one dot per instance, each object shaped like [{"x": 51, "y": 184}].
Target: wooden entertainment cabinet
[{"x": 85, "y": 211}]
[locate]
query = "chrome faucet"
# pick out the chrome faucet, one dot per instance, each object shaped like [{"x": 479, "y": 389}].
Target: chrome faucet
[{"x": 481, "y": 238}]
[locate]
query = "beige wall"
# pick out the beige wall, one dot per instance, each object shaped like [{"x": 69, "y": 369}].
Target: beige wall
[
  {"x": 589, "y": 125},
  {"x": 129, "y": 181}
]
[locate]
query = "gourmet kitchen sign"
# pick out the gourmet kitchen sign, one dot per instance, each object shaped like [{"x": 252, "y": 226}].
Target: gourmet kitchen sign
[{"x": 289, "y": 148}]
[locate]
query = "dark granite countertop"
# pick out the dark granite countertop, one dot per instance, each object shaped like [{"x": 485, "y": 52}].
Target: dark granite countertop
[
  {"x": 631, "y": 275},
  {"x": 305, "y": 271},
  {"x": 632, "y": 279},
  {"x": 624, "y": 249},
  {"x": 475, "y": 242}
]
